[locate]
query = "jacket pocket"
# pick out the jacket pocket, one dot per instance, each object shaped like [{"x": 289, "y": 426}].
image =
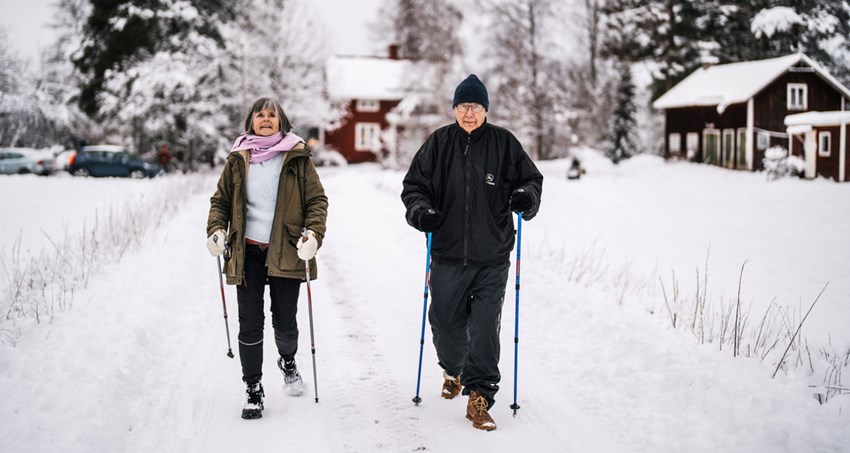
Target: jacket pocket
[
  {"x": 289, "y": 259},
  {"x": 232, "y": 258}
]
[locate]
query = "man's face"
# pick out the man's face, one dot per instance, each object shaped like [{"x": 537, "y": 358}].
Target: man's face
[{"x": 470, "y": 116}]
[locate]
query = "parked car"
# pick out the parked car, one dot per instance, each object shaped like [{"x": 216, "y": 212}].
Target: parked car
[
  {"x": 110, "y": 160},
  {"x": 26, "y": 160}
]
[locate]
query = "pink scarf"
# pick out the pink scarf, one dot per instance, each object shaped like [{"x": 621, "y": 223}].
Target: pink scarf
[{"x": 265, "y": 148}]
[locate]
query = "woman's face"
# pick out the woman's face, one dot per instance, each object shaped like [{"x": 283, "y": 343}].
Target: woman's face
[{"x": 266, "y": 123}]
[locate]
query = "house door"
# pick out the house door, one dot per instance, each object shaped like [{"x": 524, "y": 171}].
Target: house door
[
  {"x": 728, "y": 153},
  {"x": 741, "y": 150},
  {"x": 711, "y": 146},
  {"x": 810, "y": 152}
]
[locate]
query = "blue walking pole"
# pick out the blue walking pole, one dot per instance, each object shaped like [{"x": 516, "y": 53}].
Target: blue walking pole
[
  {"x": 515, "y": 406},
  {"x": 417, "y": 399}
]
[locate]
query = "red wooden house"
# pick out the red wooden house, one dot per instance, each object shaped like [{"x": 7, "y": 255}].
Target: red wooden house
[
  {"x": 728, "y": 115},
  {"x": 370, "y": 87}
]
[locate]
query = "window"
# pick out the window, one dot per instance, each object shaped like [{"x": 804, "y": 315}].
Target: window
[
  {"x": 797, "y": 96},
  {"x": 711, "y": 145},
  {"x": 368, "y": 105},
  {"x": 824, "y": 141},
  {"x": 367, "y": 136},
  {"x": 674, "y": 143},
  {"x": 762, "y": 141},
  {"x": 692, "y": 144}
]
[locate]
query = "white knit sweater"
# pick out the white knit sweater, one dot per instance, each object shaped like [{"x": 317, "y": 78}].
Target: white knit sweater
[{"x": 261, "y": 187}]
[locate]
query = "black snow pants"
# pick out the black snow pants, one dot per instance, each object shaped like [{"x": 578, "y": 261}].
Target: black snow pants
[
  {"x": 284, "y": 307},
  {"x": 465, "y": 317}
]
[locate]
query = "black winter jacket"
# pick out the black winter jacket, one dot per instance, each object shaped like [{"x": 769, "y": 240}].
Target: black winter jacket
[{"x": 469, "y": 178}]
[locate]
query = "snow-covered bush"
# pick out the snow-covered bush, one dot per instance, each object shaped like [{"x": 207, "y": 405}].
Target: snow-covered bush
[
  {"x": 36, "y": 287},
  {"x": 777, "y": 163}
]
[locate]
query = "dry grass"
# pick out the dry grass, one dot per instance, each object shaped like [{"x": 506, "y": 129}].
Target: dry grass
[{"x": 36, "y": 287}]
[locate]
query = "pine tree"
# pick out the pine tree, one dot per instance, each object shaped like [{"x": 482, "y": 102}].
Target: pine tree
[
  {"x": 119, "y": 34},
  {"x": 666, "y": 32},
  {"x": 623, "y": 124}
]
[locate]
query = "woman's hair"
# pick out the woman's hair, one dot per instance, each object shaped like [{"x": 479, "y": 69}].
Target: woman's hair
[{"x": 273, "y": 106}]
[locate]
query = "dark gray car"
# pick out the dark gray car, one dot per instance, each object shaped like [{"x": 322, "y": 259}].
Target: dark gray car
[{"x": 110, "y": 160}]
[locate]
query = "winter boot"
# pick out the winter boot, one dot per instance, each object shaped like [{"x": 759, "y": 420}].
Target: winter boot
[
  {"x": 291, "y": 377},
  {"x": 476, "y": 410},
  {"x": 254, "y": 404},
  {"x": 451, "y": 386}
]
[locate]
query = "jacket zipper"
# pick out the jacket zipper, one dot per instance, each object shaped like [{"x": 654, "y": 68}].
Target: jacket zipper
[{"x": 466, "y": 204}]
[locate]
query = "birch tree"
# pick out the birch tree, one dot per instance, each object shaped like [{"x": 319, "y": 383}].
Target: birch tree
[{"x": 525, "y": 72}]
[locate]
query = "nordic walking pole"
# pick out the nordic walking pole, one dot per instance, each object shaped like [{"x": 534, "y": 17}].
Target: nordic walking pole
[
  {"x": 515, "y": 406},
  {"x": 223, "y": 303},
  {"x": 310, "y": 311},
  {"x": 417, "y": 399}
]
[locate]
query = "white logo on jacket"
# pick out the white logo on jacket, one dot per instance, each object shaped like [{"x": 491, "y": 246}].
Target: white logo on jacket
[{"x": 488, "y": 178}]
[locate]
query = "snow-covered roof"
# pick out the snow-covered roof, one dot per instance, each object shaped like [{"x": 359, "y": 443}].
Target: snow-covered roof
[
  {"x": 818, "y": 118},
  {"x": 734, "y": 83},
  {"x": 366, "y": 78}
]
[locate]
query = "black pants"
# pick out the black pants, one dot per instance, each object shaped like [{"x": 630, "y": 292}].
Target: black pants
[
  {"x": 284, "y": 307},
  {"x": 465, "y": 317}
]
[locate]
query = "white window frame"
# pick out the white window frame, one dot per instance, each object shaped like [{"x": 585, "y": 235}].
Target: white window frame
[
  {"x": 691, "y": 144},
  {"x": 797, "y": 96},
  {"x": 368, "y": 105},
  {"x": 367, "y": 136},
  {"x": 674, "y": 143},
  {"x": 824, "y": 151}
]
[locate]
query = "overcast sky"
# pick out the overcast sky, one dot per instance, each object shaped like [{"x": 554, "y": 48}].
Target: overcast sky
[{"x": 346, "y": 23}]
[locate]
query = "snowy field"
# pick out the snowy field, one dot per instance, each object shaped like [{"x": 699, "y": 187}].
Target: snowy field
[{"x": 137, "y": 364}]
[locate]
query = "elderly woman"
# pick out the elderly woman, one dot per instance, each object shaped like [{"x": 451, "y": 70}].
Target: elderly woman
[{"x": 269, "y": 211}]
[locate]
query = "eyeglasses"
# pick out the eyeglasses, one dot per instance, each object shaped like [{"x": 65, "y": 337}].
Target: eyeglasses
[{"x": 463, "y": 108}]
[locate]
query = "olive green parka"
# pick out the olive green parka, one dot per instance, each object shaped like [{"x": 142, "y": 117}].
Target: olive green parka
[{"x": 301, "y": 203}]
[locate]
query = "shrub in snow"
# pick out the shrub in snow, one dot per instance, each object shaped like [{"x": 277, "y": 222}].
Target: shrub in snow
[{"x": 777, "y": 163}]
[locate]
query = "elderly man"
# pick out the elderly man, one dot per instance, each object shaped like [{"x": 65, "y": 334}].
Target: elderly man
[{"x": 462, "y": 185}]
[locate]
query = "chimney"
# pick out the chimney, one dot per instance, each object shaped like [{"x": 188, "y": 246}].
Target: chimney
[{"x": 392, "y": 51}]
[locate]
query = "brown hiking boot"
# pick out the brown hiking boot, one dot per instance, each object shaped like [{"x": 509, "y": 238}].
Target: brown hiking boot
[
  {"x": 476, "y": 410},
  {"x": 451, "y": 386}
]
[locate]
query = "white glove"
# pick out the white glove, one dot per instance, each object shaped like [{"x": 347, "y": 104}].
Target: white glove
[
  {"x": 307, "y": 246},
  {"x": 215, "y": 243}
]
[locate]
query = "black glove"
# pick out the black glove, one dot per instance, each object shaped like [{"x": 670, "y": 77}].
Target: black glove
[
  {"x": 429, "y": 219},
  {"x": 521, "y": 200}
]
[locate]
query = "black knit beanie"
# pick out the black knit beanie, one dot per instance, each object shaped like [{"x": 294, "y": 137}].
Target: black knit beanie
[{"x": 471, "y": 90}]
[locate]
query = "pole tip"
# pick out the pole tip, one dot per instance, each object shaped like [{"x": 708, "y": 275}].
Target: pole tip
[
  {"x": 417, "y": 400},
  {"x": 230, "y": 353}
]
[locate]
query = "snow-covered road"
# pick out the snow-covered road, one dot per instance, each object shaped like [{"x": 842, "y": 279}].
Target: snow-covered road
[{"x": 139, "y": 365}]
